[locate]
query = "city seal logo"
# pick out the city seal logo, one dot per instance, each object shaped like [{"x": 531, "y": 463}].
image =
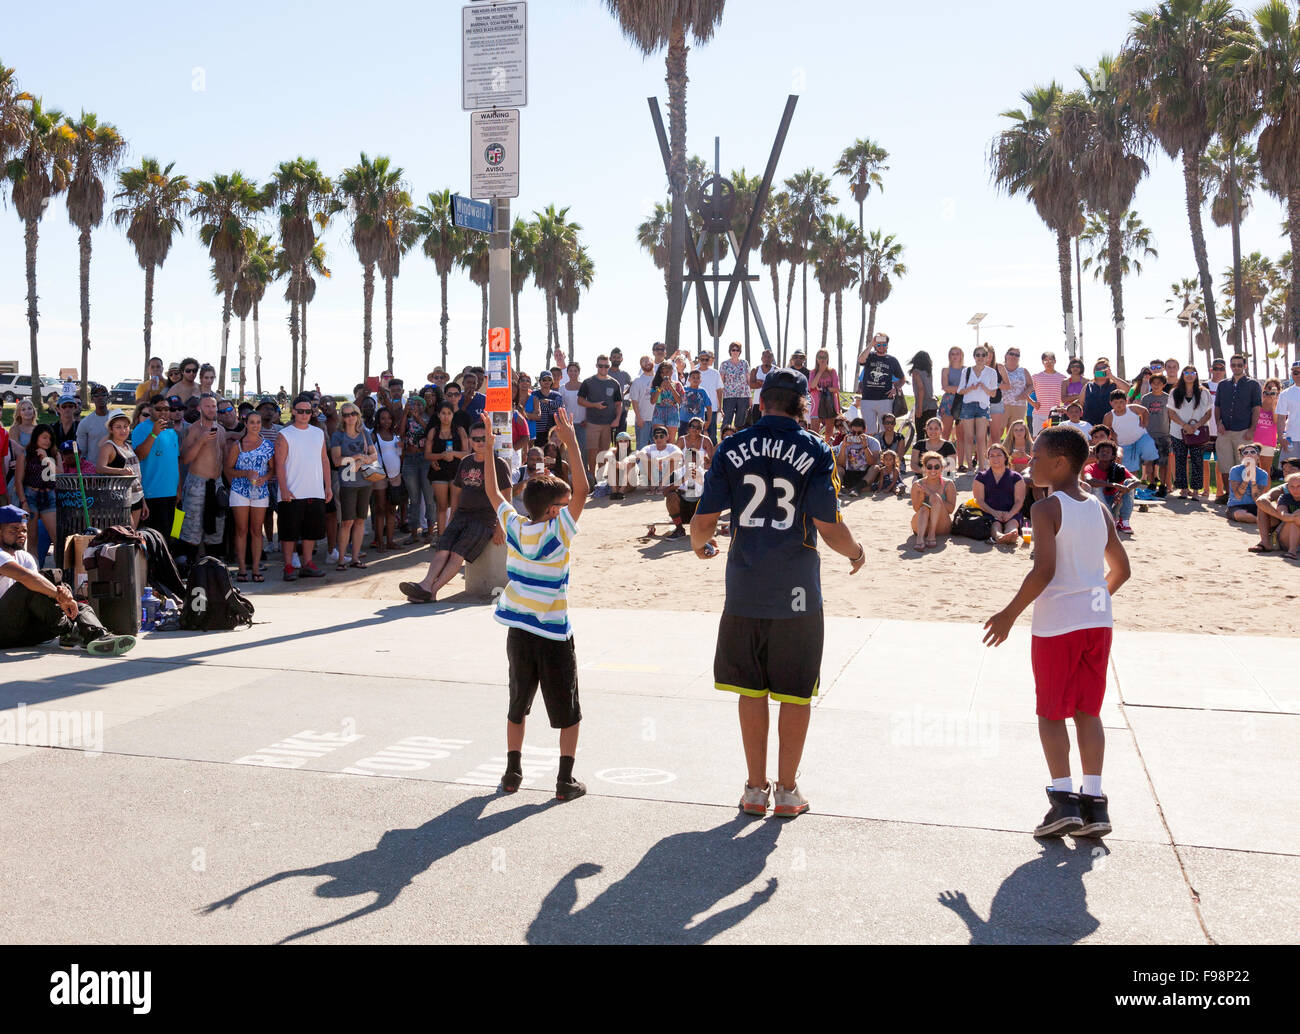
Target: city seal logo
[{"x": 494, "y": 154}]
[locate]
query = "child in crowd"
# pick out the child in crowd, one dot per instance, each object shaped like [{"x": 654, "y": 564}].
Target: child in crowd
[
  {"x": 534, "y": 605},
  {"x": 856, "y": 457},
  {"x": 1079, "y": 564},
  {"x": 888, "y": 476},
  {"x": 1113, "y": 480}
]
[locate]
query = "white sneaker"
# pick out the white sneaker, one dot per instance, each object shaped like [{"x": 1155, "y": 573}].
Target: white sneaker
[
  {"x": 297, "y": 561},
  {"x": 333, "y": 558},
  {"x": 789, "y": 803},
  {"x": 754, "y": 799}
]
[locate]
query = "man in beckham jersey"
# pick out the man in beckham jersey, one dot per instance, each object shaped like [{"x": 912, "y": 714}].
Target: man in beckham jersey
[{"x": 780, "y": 483}]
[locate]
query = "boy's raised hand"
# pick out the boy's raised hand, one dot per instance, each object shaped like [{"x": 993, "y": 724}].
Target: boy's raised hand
[{"x": 564, "y": 423}]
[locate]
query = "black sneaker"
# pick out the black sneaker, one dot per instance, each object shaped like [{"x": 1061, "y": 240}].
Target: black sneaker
[
  {"x": 70, "y": 641},
  {"x": 110, "y": 645},
  {"x": 569, "y": 791},
  {"x": 1162, "y": 491},
  {"x": 1062, "y": 817},
  {"x": 510, "y": 781},
  {"x": 1096, "y": 819},
  {"x": 677, "y": 533}
]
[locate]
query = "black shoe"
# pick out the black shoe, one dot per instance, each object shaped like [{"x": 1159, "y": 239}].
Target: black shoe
[
  {"x": 510, "y": 781},
  {"x": 69, "y": 641},
  {"x": 110, "y": 645},
  {"x": 1062, "y": 817},
  {"x": 1162, "y": 491},
  {"x": 1096, "y": 820},
  {"x": 569, "y": 791},
  {"x": 677, "y": 533}
]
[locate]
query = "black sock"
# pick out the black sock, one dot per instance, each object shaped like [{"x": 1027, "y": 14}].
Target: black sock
[
  {"x": 566, "y": 768},
  {"x": 513, "y": 762}
]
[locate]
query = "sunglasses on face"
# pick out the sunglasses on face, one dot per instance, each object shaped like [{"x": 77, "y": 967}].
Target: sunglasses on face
[
  {"x": 661, "y": 434},
  {"x": 735, "y": 351},
  {"x": 228, "y": 409},
  {"x": 302, "y": 412},
  {"x": 1270, "y": 393},
  {"x": 478, "y": 441},
  {"x": 1013, "y": 355},
  {"x": 190, "y": 369},
  {"x": 933, "y": 466},
  {"x": 602, "y": 366}
]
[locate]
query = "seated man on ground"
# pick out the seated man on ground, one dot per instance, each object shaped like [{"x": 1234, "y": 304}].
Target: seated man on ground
[
  {"x": 1246, "y": 482},
  {"x": 33, "y": 610},
  {"x": 858, "y": 454},
  {"x": 661, "y": 467},
  {"x": 474, "y": 524},
  {"x": 1279, "y": 514}
]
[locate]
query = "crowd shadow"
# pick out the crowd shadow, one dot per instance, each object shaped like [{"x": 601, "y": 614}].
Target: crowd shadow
[
  {"x": 394, "y": 863},
  {"x": 1043, "y": 901},
  {"x": 679, "y": 878}
]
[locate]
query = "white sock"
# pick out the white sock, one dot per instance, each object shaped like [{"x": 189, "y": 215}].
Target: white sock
[
  {"x": 1064, "y": 785},
  {"x": 1091, "y": 785}
]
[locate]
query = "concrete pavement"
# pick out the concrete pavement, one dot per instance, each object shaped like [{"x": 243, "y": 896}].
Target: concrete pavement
[{"x": 329, "y": 775}]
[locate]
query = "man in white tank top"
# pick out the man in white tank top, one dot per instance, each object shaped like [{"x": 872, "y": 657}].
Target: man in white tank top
[
  {"x": 1079, "y": 563},
  {"x": 302, "y": 469}
]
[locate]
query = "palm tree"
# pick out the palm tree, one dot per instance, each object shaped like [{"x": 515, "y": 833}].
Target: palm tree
[
  {"x": 41, "y": 168},
  {"x": 362, "y": 192},
  {"x": 746, "y": 194},
  {"x": 836, "y": 246},
  {"x": 474, "y": 260},
  {"x": 241, "y": 304},
  {"x": 12, "y": 114},
  {"x": 884, "y": 265},
  {"x": 523, "y": 263},
  {"x": 1256, "y": 274},
  {"x": 1116, "y": 245},
  {"x": 399, "y": 234},
  {"x": 306, "y": 294},
  {"x": 557, "y": 241},
  {"x": 260, "y": 272},
  {"x": 861, "y": 164},
  {"x": 225, "y": 208},
  {"x": 810, "y": 199},
  {"x": 652, "y": 25},
  {"x": 1180, "y": 297},
  {"x": 151, "y": 204},
  {"x": 1229, "y": 175},
  {"x": 443, "y": 242},
  {"x": 1265, "y": 66},
  {"x": 653, "y": 236},
  {"x": 1032, "y": 158},
  {"x": 1168, "y": 68},
  {"x": 1099, "y": 125},
  {"x": 576, "y": 277},
  {"x": 301, "y": 194},
  {"x": 96, "y": 152},
  {"x": 774, "y": 249}
]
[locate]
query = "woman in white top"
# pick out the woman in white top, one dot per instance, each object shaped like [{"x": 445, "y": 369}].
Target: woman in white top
[
  {"x": 977, "y": 386},
  {"x": 577, "y": 413},
  {"x": 383, "y": 513},
  {"x": 950, "y": 401},
  {"x": 1191, "y": 409},
  {"x": 1013, "y": 379}
]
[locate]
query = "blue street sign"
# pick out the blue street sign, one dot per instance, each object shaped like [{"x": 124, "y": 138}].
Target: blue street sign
[{"x": 471, "y": 215}]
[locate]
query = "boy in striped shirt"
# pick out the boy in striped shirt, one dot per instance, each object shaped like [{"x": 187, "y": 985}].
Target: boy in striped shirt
[{"x": 534, "y": 605}]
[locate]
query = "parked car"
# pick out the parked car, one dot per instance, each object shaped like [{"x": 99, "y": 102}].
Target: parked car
[
  {"x": 14, "y": 386},
  {"x": 123, "y": 392}
]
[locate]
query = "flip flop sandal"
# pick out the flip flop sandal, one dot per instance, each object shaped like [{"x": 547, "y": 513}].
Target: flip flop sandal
[
  {"x": 341, "y": 567},
  {"x": 242, "y": 576},
  {"x": 1259, "y": 547},
  {"x": 258, "y": 578},
  {"x": 358, "y": 564}
]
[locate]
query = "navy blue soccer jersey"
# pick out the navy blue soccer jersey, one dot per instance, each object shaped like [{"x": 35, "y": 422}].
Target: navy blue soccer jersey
[{"x": 776, "y": 479}]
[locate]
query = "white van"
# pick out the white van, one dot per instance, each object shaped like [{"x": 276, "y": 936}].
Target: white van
[{"x": 15, "y": 386}]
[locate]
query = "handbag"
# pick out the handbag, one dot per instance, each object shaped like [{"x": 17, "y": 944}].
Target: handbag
[
  {"x": 971, "y": 523},
  {"x": 1199, "y": 438},
  {"x": 899, "y": 408}
]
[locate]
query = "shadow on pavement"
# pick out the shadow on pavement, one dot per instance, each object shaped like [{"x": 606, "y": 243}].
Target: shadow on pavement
[
  {"x": 399, "y": 857},
  {"x": 679, "y": 878},
  {"x": 1041, "y": 902}
]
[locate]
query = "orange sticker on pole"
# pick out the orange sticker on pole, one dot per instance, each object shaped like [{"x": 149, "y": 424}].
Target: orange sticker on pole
[{"x": 498, "y": 371}]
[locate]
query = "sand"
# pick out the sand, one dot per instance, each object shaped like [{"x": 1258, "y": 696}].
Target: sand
[{"x": 1191, "y": 571}]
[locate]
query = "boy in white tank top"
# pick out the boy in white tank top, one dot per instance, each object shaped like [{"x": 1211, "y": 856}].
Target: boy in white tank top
[{"x": 1079, "y": 563}]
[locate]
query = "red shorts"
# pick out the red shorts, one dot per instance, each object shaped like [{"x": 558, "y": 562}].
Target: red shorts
[{"x": 1070, "y": 672}]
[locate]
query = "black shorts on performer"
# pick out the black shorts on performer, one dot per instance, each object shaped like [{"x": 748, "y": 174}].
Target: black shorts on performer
[
  {"x": 466, "y": 537},
  {"x": 780, "y": 657},
  {"x": 301, "y": 520},
  {"x": 553, "y": 664}
]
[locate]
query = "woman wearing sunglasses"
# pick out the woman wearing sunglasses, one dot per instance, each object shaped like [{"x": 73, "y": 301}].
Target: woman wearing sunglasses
[
  {"x": 1189, "y": 412},
  {"x": 934, "y": 498}
]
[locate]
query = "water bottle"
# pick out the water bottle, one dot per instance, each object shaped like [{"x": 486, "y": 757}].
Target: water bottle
[{"x": 149, "y": 606}]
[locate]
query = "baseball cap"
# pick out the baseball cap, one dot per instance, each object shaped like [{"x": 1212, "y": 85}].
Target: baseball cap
[
  {"x": 785, "y": 379},
  {"x": 68, "y": 400},
  {"x": 13, "y": 515}
]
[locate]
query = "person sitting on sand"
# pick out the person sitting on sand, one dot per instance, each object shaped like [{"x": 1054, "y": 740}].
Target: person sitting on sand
[
  {"x": 1246, "y": 482},
  {"x": 1279, "y": 513},
  {"x": 1000, "y": 492},
  {"x": 887, "y": 476},
  {"x": 1112, "y": 482},
  {"x": 857, "y": 457},
  {"x": 934, "y": 498},
  {"x": 934, "y": 441}
]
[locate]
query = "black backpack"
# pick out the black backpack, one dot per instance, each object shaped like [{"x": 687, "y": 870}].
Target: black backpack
[{"x": 211, "y": 603}]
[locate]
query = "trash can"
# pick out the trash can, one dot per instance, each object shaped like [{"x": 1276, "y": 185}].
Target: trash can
[{"x": 107, "y": 500}]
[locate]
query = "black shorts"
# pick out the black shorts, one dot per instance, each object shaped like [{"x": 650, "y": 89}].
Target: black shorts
[
  {"x": 782, "y": 657},
  {"x": 553, "y": 664},
  {"x": 852, "y": 479},
  {"x": 688, "y": 507},
  {"x": 301, "y": 520},
  {"x": 466, "y": 537}
]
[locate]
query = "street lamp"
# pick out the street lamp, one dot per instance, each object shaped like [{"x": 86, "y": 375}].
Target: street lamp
[{"x": 975, "y": 322}]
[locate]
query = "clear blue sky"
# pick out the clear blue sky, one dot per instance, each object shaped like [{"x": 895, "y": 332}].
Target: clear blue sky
[{"x": 216, "y": 94}]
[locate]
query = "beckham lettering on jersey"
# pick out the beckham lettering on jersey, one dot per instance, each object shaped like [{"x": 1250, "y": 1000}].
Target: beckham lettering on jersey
[{"x": 770, "y": 447}]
